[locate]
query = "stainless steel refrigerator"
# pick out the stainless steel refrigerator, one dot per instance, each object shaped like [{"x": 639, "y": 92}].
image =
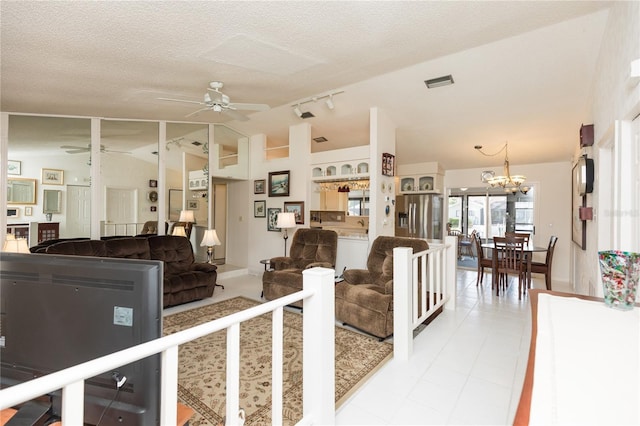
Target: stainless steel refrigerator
[{"x": 419, "y": 216}]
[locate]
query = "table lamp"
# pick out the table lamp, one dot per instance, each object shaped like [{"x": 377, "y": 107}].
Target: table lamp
[
  {"x": 286, "y": 221},
  {"x": 209, "y": 240},
  {"x": 179, "y": 231},
  {"x": 15, "y": 245},
  {"x": 188, "y": 218}
]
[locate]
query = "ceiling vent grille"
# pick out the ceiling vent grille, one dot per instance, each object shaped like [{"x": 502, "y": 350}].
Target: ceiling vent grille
[{"x": 439, "y": 82}]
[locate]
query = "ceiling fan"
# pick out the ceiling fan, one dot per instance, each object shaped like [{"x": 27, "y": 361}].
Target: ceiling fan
[
  {"x": 215, "y": 100},
  {"x": 71, "y": 149}
]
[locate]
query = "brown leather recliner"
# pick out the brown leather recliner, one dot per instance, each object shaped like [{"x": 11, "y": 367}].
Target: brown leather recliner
[
  {"x": 309, "y": 248},
  {"x": 365, "y": 298}
]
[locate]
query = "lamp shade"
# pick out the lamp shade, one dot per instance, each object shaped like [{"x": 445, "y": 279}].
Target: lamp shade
[
  {"x": 286, "y": 220},
  {"x": 15, "y": 245},
  {"x": 179, "y": 231},
  {"x": 210, "y": 238},
  {"x": 187, "y": 216}
]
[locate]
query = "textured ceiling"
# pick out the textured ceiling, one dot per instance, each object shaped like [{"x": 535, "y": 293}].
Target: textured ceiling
[{"x": 523, "y": 70}]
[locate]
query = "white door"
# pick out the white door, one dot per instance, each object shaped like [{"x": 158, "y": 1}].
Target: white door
[
  {"x": 121, "y": 208},
  {"x": 78, "y": 217}
]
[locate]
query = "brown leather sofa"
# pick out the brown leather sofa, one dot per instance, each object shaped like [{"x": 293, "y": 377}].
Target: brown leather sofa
[
  {"x": 365, "y": 298},
  {"x": 309, "y": 248},
  {"x": 184, "y": 280}
]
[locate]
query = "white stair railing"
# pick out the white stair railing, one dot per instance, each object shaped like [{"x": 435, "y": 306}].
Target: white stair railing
[
  {"x": 423, "y": 283},
  {"x": 318, "y": 360}
]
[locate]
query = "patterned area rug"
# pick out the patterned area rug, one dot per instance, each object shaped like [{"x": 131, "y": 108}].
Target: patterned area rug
[{"x": 201, "y": 375}]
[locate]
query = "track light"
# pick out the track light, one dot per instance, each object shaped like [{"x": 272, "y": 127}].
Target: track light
[
  {"x": 297, "y": 111},
  {"x": 329, "y": 102}
]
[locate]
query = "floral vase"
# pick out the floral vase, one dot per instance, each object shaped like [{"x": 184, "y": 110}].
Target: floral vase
[{"x": 620, "y": 273}]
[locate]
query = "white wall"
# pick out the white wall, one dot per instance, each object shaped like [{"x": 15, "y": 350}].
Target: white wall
[
  {"x": 260, "y": 243},
  {"x": 614, "y": 99},
  {"x": 552, "y": 182}
]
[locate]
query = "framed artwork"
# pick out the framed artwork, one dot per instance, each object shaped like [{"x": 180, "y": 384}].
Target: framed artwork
[
  {"x": 260, "y": 208},
  {"x": 258, "y": 186},
  {"x": 192, "y": 205},
  {"x": 297, "y": 208},
  {"x": 14, "y": 167},
  {"x": 578, "y": 226},
  {"x": 388, "y": 164},
  {"x": 52, "y": 177},
  {"x": 279, "y": 184},
  {"x": 272, "y": 218},
  {"x": 153, "y": 183},
  {"x": 28, "y": 211}
]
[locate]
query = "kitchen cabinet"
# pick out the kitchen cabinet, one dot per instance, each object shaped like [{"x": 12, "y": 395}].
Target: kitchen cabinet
[
  {"x": 426, "y": 183},
  {"x": 352, "y": 169}
]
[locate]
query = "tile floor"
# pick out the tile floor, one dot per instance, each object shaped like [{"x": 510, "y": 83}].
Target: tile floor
[{"x": 467, "y": 365}]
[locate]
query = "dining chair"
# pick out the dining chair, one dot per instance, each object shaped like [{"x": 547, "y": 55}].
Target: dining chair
[
  {"x": 465, "y": 245},
  {"x": 545, "y": 267},
  {"x": 524, "y": 235},
  {"x": 509, "y": 253},
  {"x": 483, "y": 262}
]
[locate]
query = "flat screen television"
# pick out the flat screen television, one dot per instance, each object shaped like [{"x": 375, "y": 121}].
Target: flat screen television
[{"x": 58, "y": 311}]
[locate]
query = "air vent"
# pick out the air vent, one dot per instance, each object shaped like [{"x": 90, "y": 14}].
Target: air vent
[
  {"x": 320, "y": 139},
  {"x": 307, "y": 114},
  {"x": 439, "y": 82}
]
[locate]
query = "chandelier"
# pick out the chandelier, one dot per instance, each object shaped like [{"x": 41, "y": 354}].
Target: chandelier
[{"x": 506, "y": 181}]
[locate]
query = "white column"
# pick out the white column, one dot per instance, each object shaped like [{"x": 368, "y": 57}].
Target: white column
[
  {"x": 451, "y": 271},
  {"x": 318, "y": 349},
  {"x": 402, "y": 322}
]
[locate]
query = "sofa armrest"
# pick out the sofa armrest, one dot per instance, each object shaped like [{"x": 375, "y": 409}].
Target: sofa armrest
[
  {"x": 357, "y": 276},
  {"x": 204, "y": 267}
]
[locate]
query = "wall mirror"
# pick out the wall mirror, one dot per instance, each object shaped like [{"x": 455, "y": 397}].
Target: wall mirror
[
  {"x": 21, "y": 191},
  {"x": 51, "y": 201}
]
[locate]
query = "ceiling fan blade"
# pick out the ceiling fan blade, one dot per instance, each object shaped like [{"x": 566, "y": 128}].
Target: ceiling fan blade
[
  {"x": 250, "y": 107},
  {"x": 74, "y": 147},
  {"x": 197, "y": 111},
  {"x": 182, "y": 100},
  {"x": 77, "y": 151},
  {"x": 235, "y": 115}
]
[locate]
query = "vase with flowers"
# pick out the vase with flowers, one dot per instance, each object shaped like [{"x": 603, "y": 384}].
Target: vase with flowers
[{"x": 620, "y": 272}]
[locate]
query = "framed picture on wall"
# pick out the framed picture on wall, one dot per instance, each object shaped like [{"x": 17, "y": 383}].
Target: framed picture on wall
[
  {"x": 192, "y": 205},
  {"x": 388, "y": 164},
  {"x": 297, "y": 208},
  {"x": 14, "y": 167},
  {"x": 52, "y": 177},
  {"x": 279, "y": 184},
  {"x": 272, "y": 218},
  {"x": 258, "y": 186},
  {"x": 578, "y": 226},
  {"x": 260, "y": 208}
]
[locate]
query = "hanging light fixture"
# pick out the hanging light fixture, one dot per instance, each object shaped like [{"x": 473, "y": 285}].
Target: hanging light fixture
[{"x": 506, "y": 181}]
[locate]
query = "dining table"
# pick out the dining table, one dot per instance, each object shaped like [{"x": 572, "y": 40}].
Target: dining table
[{"x": 528, "y": 249}]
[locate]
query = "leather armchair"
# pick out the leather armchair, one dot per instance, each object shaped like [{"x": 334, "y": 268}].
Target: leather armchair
[
  {"x": 310, "y": 248},
  {"x": 364, "y": 299}
]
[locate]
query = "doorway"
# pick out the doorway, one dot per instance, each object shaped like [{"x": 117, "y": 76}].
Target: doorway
[
  {"x": 219, "y": 220},
  {"x": 120, "y": 212},
  {"x": 78, "y": 217}
]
